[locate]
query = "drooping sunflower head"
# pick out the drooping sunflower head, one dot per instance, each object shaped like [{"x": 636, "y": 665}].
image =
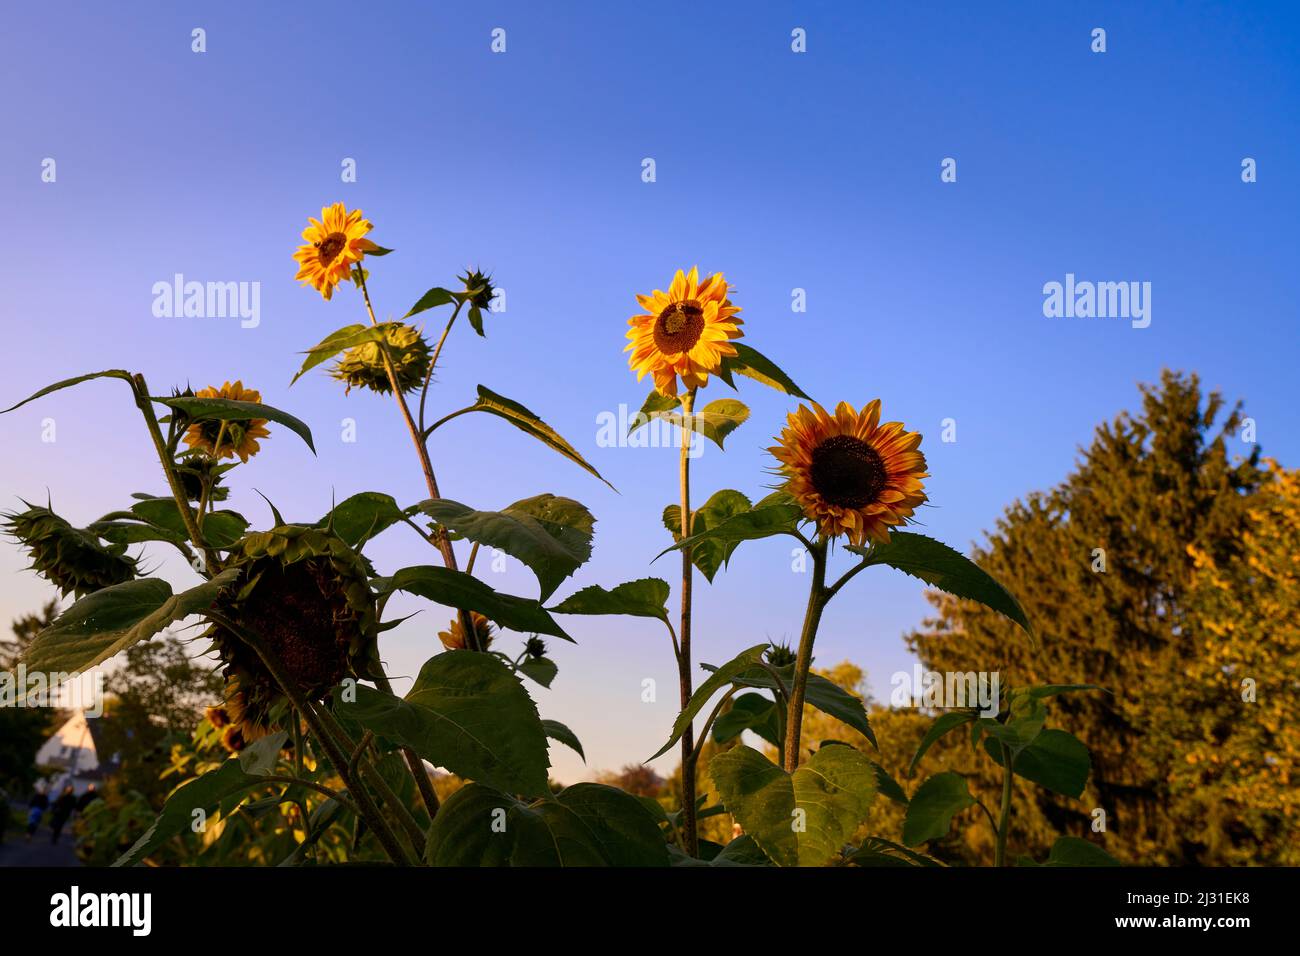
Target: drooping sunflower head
[
  {"x": 849, "y": 473},
  {"x": 363, "y": 365},
  {"x": 72, "y": 559},
  {"x": 686, "y": 331},
  {"x": 305, "y": 594},
  {"x": 236, "y": 438},
  {"x": 454, "y": 637},
  {"x": 197, "y": 470},
  {"x": 335, "y": 242},
  {"x": 240, "y": 719},
  {"x": 478, "y": 288}
]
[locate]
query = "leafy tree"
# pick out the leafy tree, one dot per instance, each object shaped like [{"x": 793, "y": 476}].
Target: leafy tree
[
  {"x": 23, "y": 729},
  {"x": 1104, "y": 565},
  {"x": 1234, "y": 762},
  {"x": 636, "y": 778}
]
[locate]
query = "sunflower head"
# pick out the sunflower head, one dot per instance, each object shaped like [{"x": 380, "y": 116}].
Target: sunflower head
[
  {"x": 73, "y": 560},
  {"x": 454, "y": 637},
  {"x": 363, "y": 365},
  {"x": 306, "y": 595},
  {"x": 686, "y": 331},
  {"x": 335, "y": 242},
  {"x": 849, "y": 473},
  {"x": 236, "y": 439},
  {"x": 196, "y": 470},
  {"x": 478, "y": 288},
  {"x": 535, "y": 647}
]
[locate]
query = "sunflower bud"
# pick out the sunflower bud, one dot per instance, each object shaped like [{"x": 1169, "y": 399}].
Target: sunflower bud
[
  {"x": 478, "y": 288},
  {"x": 535, "y": 647},
  {"x": 363, "y": 366},
  {"x": 72, "y": 559},
  {"x": 780, "y": 655}
]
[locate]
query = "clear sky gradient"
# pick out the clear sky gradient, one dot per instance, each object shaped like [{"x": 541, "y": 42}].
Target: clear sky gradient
[{"x": 818, "y": 171}]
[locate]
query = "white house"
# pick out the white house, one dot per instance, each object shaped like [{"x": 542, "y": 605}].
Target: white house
[{"x": 75, "y": 754}]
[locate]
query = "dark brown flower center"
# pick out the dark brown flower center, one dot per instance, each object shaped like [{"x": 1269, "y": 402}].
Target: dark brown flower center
[
  {"x": 678, "y": 327},
  {"x": 848, "y": 472},
  {"x": 331, "y": 246}
]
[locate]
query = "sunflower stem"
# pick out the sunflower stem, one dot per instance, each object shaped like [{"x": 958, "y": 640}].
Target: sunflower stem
[
  {"x": 689, "y": 755},
  {"x": 818, "y": 596},
  {"x": 421, "y": 450},
  {"x": 1004, "y": 812},
  {"x": 141, "y": 389}
]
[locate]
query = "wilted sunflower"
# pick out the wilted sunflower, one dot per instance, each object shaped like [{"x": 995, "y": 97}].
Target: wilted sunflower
[
  {"x": 849, "y": 473},
  {"x": 237, "y": 438},
  {"x": 363, "y": 365},
  {"x": 306, "y": 595},
  {"x": 454, "y": 637},
  {"x": 685, "y": 331},
  {"x": 72, "y": 559},
  {"x": 334, "y": 243}
]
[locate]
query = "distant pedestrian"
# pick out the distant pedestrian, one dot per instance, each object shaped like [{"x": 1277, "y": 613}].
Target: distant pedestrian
[
  {"x": 36, "y": 808},
  {"x": 62, "y": 809}
]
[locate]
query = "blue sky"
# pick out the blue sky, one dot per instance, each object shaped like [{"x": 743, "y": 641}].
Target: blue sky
[{"x": 817, "y": 171}]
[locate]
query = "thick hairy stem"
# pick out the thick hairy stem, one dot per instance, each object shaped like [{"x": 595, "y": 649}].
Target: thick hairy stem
[
  {"x": 422, "y": 450},
  {"x": 689, "y": 755},
  {"x": 817, "y": 598},
  {"x": 1004, "y": 814},
  {"x": 169, "y": 469},
  {"x": 414, "y": 763}
]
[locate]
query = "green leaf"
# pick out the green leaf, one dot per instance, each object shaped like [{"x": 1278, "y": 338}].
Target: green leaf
[
  {"x": 431, "y": 300},
  {"x": 645, "y": 597},
  {"x": 720, "y": 678},
  {"x": 753, "y": 364},
  {"x": 748, "y": 712},
  {"x": 69, "y": 382},
  {"x": 655, "y": 406},
  {"x": 799, "y": 819},
  {"x": 476, "y": 320},
  {"x": 551, "y": 535},
  {"x": 877, "y": 851},
  {"x": 557, "y": 731},
  {"x": 932, "y": 807},
  {"x": 584, "y": 825},
  {"x": 827, "y": 696},
  {"x": 468, "y": 713},
  {"x": 466, "y": 592},
  {"x": 943, "y": 724},
  {"x": 205, "y": 793},
  {"x": 1056, "y": 760},
  {"x": 715, "y": 421},
  {"x": 379, "y": 251},
  {"x": 762, "y": 521},
  {"x": 229, "y": 410},
  {"x": 1024, "y": 722},
  {"x": 709, "y": 555},
  {"x": 110, "y": 620},
  {"x": 942, "y": 567},
  {"x": 132, "y": 532},
  {"x": 221, "y": 529},
  {"x": 361, "y": 517},
  {"x": 338, "y": 341},
  {"x": 527, "y": 422},
  {"x": 1073, "y": 851},
  {"x": 888, "y": 786},
  {"x": 541, "y": 669}
]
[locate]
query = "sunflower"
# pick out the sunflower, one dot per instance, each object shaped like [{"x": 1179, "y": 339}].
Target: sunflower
[
  {"x": 72, "y": 559},
  {"x": 454, "y": 637},
  {"x": 685, "y": 331},
  {"x": 362, "y": 366},
  {"x": 237, "y": 438},
  {"x": 334, "y": 243},
  {"x": 849, "y": 473}
]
